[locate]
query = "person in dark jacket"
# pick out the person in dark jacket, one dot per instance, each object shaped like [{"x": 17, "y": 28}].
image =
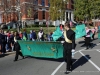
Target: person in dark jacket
[
  {"x": 69, "y": 45},
  {"x": 1, "y": 40},
  {"x": 25, "y": 34},
  {"x": 17, "y": 46},
  {"x": 3, "y": 43},
  {"x": 34, "y": 36}
]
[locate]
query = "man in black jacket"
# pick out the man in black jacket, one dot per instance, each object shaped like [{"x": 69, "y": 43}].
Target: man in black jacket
[{"x": 69, "y": 45}]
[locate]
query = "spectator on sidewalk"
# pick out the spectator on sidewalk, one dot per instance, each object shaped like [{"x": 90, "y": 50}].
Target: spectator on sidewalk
[
  {"x": 12, "y": 40},
  {"x": 1, "y": 41},
  {"x": 34, "y": 36}
]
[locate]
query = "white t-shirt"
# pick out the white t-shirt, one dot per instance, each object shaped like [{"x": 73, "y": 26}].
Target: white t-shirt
[{"x": 40, "y": 34}]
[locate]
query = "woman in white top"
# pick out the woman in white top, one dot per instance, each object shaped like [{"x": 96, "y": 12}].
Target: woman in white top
[{"x": 40, "y": 35}]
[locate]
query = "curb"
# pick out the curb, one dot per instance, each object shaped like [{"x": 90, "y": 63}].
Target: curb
[{"x": 8, "y": 53}]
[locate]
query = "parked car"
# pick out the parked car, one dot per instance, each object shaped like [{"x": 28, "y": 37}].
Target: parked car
[{"x": 3, "y": 26}]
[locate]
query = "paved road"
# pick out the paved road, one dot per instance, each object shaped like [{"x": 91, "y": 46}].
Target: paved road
[{"x": 86, "y": 62}]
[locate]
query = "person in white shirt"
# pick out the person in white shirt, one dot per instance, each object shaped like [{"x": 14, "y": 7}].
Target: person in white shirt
[{"x": 40, "y": 35}]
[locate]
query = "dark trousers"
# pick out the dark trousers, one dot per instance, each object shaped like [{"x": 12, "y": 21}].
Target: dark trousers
[
  {"x": 17, "y": 54},
  {"x": 17, "y": 49},
  {"x": 87, "y": 41},
  {"x": 93, "y": 36},
  {"x": 3, "y": 49},
  {"x": 67, "y": 55}
]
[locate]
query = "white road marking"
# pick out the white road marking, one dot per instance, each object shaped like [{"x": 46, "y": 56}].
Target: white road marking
[
  {"x": 90, "y": 61},
  {"x": 57, "y": 68},
  {"x": 53, "y": 73},
  {"x": 98, "y": 50},
  {"x": 98, "y": 44}
]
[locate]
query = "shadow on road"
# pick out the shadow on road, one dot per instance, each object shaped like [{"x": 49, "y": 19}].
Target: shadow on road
[
  {"x": 92, "y": 45},
  {"x": 81, "y": 61},
  {"x": 80, "y": 42},
  {"x": 48, "y": 59}
]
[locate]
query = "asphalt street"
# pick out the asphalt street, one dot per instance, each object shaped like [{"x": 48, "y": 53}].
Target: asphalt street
[{"x": 85, "y": 62}]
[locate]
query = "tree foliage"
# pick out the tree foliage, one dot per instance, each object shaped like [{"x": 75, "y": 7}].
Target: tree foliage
[
  {"x": 86, "y": 9},
  {"x": 57, "y": 9}
]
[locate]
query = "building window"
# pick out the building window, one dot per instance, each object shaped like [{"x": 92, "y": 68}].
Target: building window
[
  {"x": 49, "y": 3},
  {"x": 35, "y": 2},
  {"x": 36, "y": 16},
  {"x": 66, "y": 16},
  {"x": 43, "y": 2},
  {"x": 70, "y": 16},
  {"x": 43, "y": 15}
]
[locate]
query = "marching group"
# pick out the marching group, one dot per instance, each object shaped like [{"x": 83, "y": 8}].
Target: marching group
[
  {"x": 8, "y": 38},
  {"x": 8, "y": 41}
]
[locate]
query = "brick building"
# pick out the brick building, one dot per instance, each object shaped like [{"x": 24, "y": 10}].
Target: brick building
[{"x": 30, "y": 11}]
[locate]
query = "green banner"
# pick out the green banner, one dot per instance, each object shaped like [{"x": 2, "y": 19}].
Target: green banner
[
  {"x": 57, "y": 34},
  {"x": 99, "y": 32},
  {"x": 41, "y": 49},
  {"x": 80, "y": 31}
]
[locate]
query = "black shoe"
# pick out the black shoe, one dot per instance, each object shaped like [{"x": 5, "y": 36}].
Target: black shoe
[
  {"x": 15, "y": 60},
  {"x": 71, "y": 68},
  {"x": 23, "y": 57},
  {"x": 67, "y": 72},
  {"x": 91, "y": 47}
]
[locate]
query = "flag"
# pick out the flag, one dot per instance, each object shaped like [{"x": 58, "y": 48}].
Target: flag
[
  {"x": 57, "y": 34},
  {"x": 80, "y": 31},
  {"x": 98, "y": 32}
]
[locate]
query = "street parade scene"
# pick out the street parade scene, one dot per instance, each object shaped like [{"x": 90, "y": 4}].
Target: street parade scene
[{"x": 49, "y": 37}]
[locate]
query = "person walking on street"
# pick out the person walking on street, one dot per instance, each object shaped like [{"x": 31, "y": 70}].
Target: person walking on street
[
  {"x": 69, "y": 45},
  {"x": 88, "y": 38},
  {"x": 17, "y": 46}
]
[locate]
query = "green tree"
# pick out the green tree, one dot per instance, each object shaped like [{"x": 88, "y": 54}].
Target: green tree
[
  {"x": 86, "y": 9},
  {"x": 57, "y": 9}
]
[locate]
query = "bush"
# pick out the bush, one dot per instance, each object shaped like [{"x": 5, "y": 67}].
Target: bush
[
  {"x": 51, "y": 26},
  {"x": 36, "y": 25}
]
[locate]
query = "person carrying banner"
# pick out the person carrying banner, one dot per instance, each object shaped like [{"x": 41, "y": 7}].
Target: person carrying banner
[
  {"x": 17, "y": 46},
  {"x": 69, "y": 45}
]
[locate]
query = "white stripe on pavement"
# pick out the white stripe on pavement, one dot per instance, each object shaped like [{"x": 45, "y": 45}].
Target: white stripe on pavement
[
  {"x": 53, "y": 73},
  {"x": 98, "y": 50},
  {"x": 90, "y": 61},
  {"x": 98, "y": 44},
  {"x": 57, "y": 68}
]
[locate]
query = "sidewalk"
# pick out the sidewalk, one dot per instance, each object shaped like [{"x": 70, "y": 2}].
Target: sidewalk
[{"x": 7, "y": 53}]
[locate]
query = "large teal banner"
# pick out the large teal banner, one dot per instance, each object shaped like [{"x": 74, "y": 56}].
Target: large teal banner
[
  {"x": 98, "y": 32},
  {"x": 80, "y": 31},
  {"x": 41, "y": 49}
]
